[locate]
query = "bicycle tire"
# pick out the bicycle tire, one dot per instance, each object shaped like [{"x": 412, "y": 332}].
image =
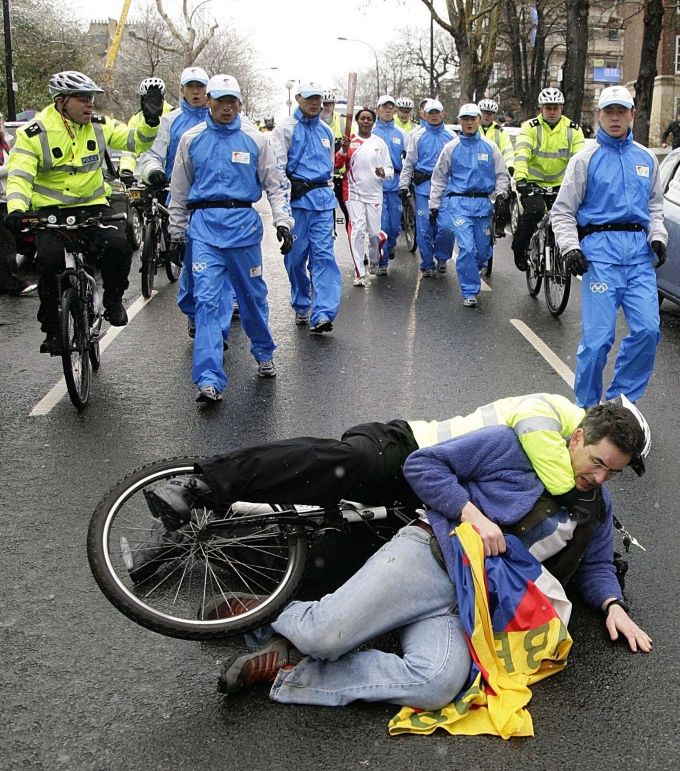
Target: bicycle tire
[
  {"x": 192, "y": 567},
  {"x": 410, "y": 226},
  {"x": 489, "y": 267},
  {"x": 172, "y": 270},
  {"x": 149, "y": 259},
  {"x": 74, "y": 340},
  {"x": 94, "y": 332},
  {"x": 557, "y": 285},
  {"x": 533, "y": 273}
]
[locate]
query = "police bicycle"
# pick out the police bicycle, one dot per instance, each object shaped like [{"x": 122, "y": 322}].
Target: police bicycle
[
  {"x": 80, "y": 311},
  {"x": 166, "y": 581},
  {"x": 545, "y": 262},
  {"x": 155, "y": 239}
]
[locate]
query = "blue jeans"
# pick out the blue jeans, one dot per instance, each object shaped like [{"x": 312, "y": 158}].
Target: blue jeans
[{"x": 400, "y": 587}]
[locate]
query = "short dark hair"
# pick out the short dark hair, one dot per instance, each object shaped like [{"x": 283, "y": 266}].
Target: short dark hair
[
  {"x": 365, "y": 109},
  {"x": 615, "y": 423}
]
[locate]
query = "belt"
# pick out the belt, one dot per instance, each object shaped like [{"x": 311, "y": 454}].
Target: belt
[
  {"x": 473, "y": 194},
  {"x": 423, "y": 525},
  {"x": 633, "y": 227},
  {"x": 227, "y": 203}
]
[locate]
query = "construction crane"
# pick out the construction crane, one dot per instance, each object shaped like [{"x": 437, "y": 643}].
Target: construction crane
[{"x": 115, "y": 44}]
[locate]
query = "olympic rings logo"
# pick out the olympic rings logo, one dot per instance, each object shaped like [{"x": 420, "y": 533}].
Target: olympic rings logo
[
  {"x": 599, "y": 287},
  {"x": 198, "y": 267}
]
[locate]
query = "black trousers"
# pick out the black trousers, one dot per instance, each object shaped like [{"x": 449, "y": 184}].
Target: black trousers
[
  {"x": 533, "y": 210},
  {"x": 110, "y": 250}
]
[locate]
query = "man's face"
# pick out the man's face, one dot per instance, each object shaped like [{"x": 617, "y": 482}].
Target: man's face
[
  {"x": 551, "y": 113},
  {"x": 327, "y": 109},
  {"x": 404, "y": 114},
  {"x": 386, "y": 111},
  {"x": 615, "y": 120},
  {"x": 434, "y": 117},
  {"x": 487, "y": 117},
  {"x": 224, "y": 109},
  {"x": 469, "y": 124},
  {"x": 77, "y": 107},
  {"x": 594, "y": 463},
  {"x": 310, "y": 105},
  {"x": 195, "y": 93}
]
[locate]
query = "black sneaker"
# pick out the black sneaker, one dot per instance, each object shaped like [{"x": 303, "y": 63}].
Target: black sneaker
[
  {"x": 143, "y": 559},
  {"x": 51, "y": 344},
  {"x": 116, "y": 313},
  {"x": 173, "y": 501}
]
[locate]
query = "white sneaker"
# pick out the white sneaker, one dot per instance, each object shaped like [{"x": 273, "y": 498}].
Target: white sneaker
[
  {"x": 208, "y": 394},
  {"x": 359, "y": 281},
  {"x": 266, "y": 368},
  {"x": 372, "y": 268},
  {"x": 441, "y": 267},
  {"x": 470, "y": 302}
]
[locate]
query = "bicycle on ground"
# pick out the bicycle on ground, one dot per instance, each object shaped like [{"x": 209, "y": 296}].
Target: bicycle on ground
[
  {"x": 80, "y": 310},
  {"x": 545, "y": 261}
]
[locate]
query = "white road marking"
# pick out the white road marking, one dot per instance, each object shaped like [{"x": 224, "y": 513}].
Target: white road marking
[
  {"x": 552, "y": 358},
  {"x": 57, "y": 393}
]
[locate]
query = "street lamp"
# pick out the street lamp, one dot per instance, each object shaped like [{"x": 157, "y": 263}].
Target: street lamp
[
  {"x": 289, "y": 84},
  {"x": 377, "y": 69}
]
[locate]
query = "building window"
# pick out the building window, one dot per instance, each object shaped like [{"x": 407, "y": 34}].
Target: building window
[
  {"x": 613, "y": 34},
  {"x": 677, "y": 54}
]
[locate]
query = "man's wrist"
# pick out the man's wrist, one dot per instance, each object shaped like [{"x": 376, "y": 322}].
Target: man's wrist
[{"x": 608, "y": 604}]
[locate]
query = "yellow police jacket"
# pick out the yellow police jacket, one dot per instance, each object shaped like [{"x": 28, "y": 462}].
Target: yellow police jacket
[
  {"x": 542, "y": 153},
  {"x": 55, "y": 162},
  {"x": 406, "y": 126},
  {"x": 542, "y": 422},
  {"x": 495, "y": 133},
  {"x": 128, "y": 161}
]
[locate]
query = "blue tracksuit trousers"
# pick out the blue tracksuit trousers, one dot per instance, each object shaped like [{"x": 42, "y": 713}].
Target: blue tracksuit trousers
[
  {"x": 474, "y": 247},
  {"x": 433, "y": 244},
  {"x": 391, "y": 222}
]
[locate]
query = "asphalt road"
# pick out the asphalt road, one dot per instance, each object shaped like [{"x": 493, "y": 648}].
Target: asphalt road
[{"x": 84, "y": 688}]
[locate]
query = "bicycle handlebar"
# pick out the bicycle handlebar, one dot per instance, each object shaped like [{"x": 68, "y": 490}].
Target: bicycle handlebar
[{"x": 37, "y": 222}]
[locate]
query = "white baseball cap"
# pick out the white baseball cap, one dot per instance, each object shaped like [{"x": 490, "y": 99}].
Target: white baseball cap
[
  {"x": 615, "y": 95},
  {"x": 469, "y": 110},
  {"x": 386, "y": 99},
  {"x": 223, "y": 85},
  {"x": 306, "y": 90},
  {"x": 433, "y": 104},
  {"x": 197, "y": 74}
]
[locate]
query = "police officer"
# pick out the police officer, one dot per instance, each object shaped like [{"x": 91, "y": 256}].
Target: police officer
[
  {"x": 608, "y": 223},
  {"x": 56, "y": 163},
  {"x": 542, "y": 150},
  {"x": 422, "y": 153},
  {"x": 491, "y": 128},
  {"x": 395, "y": 139},
  {"x": 305, "y": 147},
  {"x": 222, "y": 167},
  {"x": 403, "y": 119},
  {"x": 469, "y": 170}
]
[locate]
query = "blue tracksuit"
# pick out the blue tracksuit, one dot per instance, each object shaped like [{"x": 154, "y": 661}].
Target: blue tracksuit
[
  {"x": 616, "y": 181},
  {"x": 232, "y": 162},
  {"x": 468, "y": 164},
  {"x": 424, "y": 148},
  {"x": 305, "y": 147},
  {"x": 395, "y": 139}
]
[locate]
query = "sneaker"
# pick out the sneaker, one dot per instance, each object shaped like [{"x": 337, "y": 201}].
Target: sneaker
[
  {"x": 390, "y": 254},
  {"x": 428, "y": 272},
  {"x": 173, "y": 501},
  {"x": 143, "y": 559},
  {"x": 322, "y": 325},
  {"x": 261, "y": 666},
  {"x": 266, "y": 368},
  {"x": 115, "y": 313},
  {"x": 235, "y": 311},
  {"x": 359, "y": 281},
  {"x": 382, "y": 271},
  {"x": 301, "y": 319},
  {"x": 235, "y": 604},
  {"x": 28, "y": 289},
  {"x": 191, "y": 328},
  {"x": 470, "y": 302},
  {"x": 441, "y": 267},
  {"x": 372, "y": 268},
  {"x": 208, "y": 394},
  {"x": 51, "y": 344}
]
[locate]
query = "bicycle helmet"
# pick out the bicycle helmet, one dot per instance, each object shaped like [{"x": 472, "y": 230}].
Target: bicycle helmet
[
  {"x": 488, "y": 105},
  {"x": 638, "y": 461},
  {"x": 328, "y": 96},
  {"x": 148, "y": 83},
  {"x": 405, "y": 102},
  {"x": 71, "y": 82},
  {"x": 550, "y": 96}
]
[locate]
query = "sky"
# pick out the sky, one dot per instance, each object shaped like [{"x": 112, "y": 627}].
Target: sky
[{"x": 299, "y": 37}]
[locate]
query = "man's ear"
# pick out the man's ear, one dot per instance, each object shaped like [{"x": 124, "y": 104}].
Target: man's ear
[{"x": 575, "y": 438}]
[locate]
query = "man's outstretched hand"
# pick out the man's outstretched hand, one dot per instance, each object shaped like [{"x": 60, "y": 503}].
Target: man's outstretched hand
[{"x": 620, "y": 623}]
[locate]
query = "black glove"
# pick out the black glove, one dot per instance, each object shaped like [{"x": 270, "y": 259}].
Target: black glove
[
  {"x": 661, "y": 254},
  {"x": 522, "y": 186},
  {"x": 152, "y": 106},
  {"x": 127, "y": 177},
  {"x": 576, "y": 262},
  {"x": 156, "y": 178},
  {"x": 404, "y": 196},
  {"x": 434, "y": 213},
  {"x": 176, "y": 251},
  {"x": 284, "y": 235},
  {"x": 14, "y": 221}
]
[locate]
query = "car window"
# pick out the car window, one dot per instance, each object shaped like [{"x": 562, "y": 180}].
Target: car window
[{"x": 673, "y": 189}]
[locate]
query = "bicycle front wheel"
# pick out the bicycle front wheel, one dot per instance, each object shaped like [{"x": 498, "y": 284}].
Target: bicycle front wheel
[
  {"x": 169, "y": 582},
  {"x": 409, "y": 218},
  {"x": 149, "y": 259},
  {"x": 75, "y": 354},
  {"x": 557, "y": 284},
  {"x": 534, "y": 273}
]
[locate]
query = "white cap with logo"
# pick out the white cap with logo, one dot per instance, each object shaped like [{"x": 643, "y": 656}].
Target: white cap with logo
[
  {"x": 309, "y": 89},
  {"x": 469, "y": 110},
  {"x": 615, "y": 95},
  {"x": 223, "y": 85},
  {"x": 386, "y": 99},
  {"x": 433, "y": 104},
  {"x": 193, "y": 74}
]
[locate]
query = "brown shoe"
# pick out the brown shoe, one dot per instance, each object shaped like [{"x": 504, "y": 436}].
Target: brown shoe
[
  {"x": 236, "y": 604},
  {"x": 261, "y": 666}
]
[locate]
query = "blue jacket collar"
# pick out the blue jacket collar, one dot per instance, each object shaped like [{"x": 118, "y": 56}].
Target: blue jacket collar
[
  {"x": 437, "y": 129},
  {"x": 604, "y": 139},
  {"x": 385, "y": 122},
  {"x": 235, "y": 125},
  {"x": 191, "y": 110},
  {"x": 304, "y": 119}
]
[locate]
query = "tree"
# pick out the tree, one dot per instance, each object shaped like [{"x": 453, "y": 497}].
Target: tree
[
  {"x": 644, "y": 85},
  {"x": 577, "y": 54},
  {"x": 197, "y": 33}
]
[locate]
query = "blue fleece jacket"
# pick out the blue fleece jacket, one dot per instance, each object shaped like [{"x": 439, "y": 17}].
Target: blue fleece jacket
[{"x": 489, "y": 468}]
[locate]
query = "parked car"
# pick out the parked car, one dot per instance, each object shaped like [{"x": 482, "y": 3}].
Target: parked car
[{"x": 668, "y": 275}]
